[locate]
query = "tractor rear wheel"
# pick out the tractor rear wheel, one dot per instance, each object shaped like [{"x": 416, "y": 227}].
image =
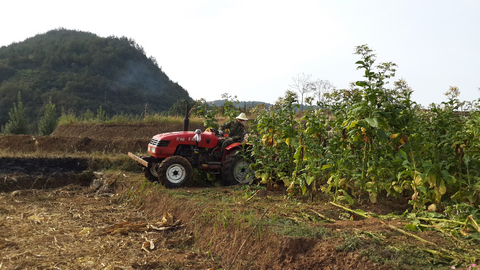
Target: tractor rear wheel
[
  {"x": 175, "y": 172},
  {"x": 236, "y": 170}
]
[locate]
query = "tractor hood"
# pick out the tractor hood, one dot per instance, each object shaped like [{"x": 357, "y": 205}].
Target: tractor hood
[{"x": 164, "y": 145}]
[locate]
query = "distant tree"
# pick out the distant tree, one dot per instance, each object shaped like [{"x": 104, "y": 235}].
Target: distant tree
[
  {"x": 230, "y": 108},
  {"x": 18, "y": 121},
  {"x": 178, "y": 108},
  {"x": 302, "y": 85},
  {"x": 101, "y": 115},
  {"x": 322, "y": 87},
  {"x": 88, "y": 115},
  {"x": 49, "y": 121}
]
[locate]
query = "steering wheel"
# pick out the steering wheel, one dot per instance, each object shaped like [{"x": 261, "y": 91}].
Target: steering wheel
[{"x": 215, "y": 131}]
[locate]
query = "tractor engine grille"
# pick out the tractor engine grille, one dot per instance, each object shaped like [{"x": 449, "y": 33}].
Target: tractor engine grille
[{"x": 159, "y": 143}]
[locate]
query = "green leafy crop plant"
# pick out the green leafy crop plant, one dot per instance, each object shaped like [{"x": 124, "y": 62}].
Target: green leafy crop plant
[{"x": 371, "y": 141}]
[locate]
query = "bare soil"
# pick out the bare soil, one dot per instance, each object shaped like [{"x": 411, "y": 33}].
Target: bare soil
[{"x": 56, "y": 214}]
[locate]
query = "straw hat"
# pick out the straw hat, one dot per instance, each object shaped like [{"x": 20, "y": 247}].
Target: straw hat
[{"x": 242, "y": 116}]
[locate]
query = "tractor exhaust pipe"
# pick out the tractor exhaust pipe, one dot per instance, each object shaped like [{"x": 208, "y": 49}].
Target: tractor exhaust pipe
[{"x": 186, "y": 120}]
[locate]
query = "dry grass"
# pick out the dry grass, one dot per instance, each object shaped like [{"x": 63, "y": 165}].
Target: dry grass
[{"x": 76, "y": 228}]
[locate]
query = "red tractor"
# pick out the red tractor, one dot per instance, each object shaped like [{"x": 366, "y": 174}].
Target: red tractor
[{"x": 173, "y": 156}]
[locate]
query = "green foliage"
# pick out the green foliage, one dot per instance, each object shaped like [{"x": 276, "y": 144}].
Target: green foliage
[
  {"x": 350, "y": 243},
  {"x": 101, "y": 115},
  {"x": 81, "y": 71},
  {"x": 376, "y": 142},
  {"x": 89, "y": 117},
  {"x": 49, "y": 121},
  {"x": 208, "y": 112},
  {"x": 276, "y": 138},
  {"x": 229, "y": 109},
  {"x": 178, "y": 109},
  {"x": 18, "y": 122}
]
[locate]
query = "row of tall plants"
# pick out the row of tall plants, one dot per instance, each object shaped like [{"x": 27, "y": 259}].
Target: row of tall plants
[{"x": 371, "y": 141}]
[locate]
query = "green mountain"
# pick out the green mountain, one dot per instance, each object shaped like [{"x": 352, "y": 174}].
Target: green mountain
[{"x": 81, "y": 71}]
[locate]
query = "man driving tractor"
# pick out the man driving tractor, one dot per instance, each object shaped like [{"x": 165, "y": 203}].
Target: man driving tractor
[{"x": 236, "y": 130}]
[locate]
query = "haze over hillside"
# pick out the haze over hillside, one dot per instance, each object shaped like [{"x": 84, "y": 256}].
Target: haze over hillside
[{"x": 81, "y": 71}]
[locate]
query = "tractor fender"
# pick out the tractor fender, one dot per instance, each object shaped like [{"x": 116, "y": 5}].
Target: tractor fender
[{"x": 232, "y": 147}]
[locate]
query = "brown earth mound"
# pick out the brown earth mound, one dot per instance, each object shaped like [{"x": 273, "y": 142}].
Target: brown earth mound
[
  {"x": 114, "y": 138},
  {"x": 49, "y": 144}
]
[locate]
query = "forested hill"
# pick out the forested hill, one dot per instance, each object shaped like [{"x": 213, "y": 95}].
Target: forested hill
[{"x": 82, "y": 71}]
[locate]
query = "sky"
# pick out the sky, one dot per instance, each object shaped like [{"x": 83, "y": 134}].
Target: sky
[{"x": 253, "y": 49}]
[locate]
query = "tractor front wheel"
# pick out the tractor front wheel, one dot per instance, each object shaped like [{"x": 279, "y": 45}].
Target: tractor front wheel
[
  {"x": 236, "y": 170},
  {"x": 175, "y": 172},
  {"x": 152, "y": 173}
]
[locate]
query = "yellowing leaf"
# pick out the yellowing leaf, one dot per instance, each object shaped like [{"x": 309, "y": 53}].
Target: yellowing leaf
[
  {"x": 442, "y": 189},
  {"x": 393, "y": 136},
  {"x": 310, "y": 179},
  {"x": 304, "y": 189},
  {"x": 324, "y": 167},
  {"x": 364, "y": 130},
  {"x": 330, "y": 180},
  {"x": 352, "y": 124},
  {"x": 438, "y": 196},
  {"x": 264, "y": 178},
  {"x": 418, "y": 180},
  {"x": 286, "y": 181},
  {"x": 398, "y": 188},
  {"x": 432, "y": 180},
  {"x": 373, "y": 197},
  {"x": 287, "y": 141}
]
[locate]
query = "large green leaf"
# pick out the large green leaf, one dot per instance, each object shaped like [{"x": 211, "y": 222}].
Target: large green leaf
[
  {"x": 403, "y": 154},
  {"x": 347, "y": 197},
  {"x": 361, "y": 83},
  {"x": 310, "y": 179},
  {"x": 373, "y": 122},
  {"x": 381, "y": 134}
]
